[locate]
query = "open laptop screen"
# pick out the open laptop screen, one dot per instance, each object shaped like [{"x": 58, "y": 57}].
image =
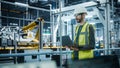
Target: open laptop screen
[{"x": 66, "y": 41}]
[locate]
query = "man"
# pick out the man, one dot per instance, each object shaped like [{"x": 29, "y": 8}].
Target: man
[{"x": 84, "y": 40}]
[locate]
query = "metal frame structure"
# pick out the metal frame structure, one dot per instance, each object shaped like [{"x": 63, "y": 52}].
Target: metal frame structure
[
  {"x": 39, "y": 53},
  {"x": 107, "y": 29},
  {"x": 60, "y": 21},
  {"x": 35, "y": 8},
  {"x": 0, "y": 14},
  {"x": 40, "y": 25},
  {"x": 25, "y": 6}
]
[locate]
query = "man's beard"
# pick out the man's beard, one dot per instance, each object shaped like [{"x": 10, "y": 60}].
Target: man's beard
[{"x": 80, "y": 20}]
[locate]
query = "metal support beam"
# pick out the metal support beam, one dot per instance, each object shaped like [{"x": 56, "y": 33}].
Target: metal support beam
[
  {"x": 119, "y": 32},
  {"x": 52, "y": 25},
  {"x": 27, "y": 14},
  {"x": 60, "y": 21},
  {"x": 37, "y": 53},
  {"x": 0, "y": 15},
  {"x": 15, "y": 47},
  {"x": 107, "y": 49},
  {"x": 16, "y": 18},
  {"x": 107, "y": 27},
  {"x": 41, "y": 35},
  {"x": 20, "y": 19},
  {"x": 25, "y": 6},
  {"x": 71, "y": 8},
  {"x": 54, "y": 32},
  {"x": 99, "y": 15}
]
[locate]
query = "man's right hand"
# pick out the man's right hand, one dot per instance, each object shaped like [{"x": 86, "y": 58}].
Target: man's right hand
[{"x": 72, "y": 48}]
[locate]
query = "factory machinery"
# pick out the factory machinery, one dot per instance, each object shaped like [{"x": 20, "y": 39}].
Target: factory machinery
[{"x": 18, "y": 46}]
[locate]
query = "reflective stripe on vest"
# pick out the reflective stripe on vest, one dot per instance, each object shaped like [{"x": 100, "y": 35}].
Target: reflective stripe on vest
[{"x": 84, "y": 34}]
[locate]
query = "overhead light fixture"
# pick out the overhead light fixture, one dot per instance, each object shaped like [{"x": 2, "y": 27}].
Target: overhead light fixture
[
  {"x": 111, "y": 21},
  {"x": 92, "y": 23},
  {"x": 67, "y": 18},
  {"x": 118, "y": 0},
  {"x": 89, "y": 16},
  {"x": 43, "y": 0},
  {"x": 21, "y": 4}
]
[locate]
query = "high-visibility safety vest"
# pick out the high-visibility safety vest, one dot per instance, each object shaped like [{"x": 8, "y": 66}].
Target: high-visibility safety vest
[{"x": 83, "y": 40}]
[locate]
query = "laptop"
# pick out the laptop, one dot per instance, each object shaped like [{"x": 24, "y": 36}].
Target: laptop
[{"x": 66, "y": 41}]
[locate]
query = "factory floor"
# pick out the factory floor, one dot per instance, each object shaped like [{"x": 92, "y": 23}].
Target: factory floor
[{"x": 99, "y": 62}]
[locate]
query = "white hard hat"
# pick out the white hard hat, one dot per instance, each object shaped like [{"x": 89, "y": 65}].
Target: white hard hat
[{"x": 79, "y": 10}]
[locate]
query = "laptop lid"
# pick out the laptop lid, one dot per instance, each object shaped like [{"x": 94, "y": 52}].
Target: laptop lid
[{"x": 66, "y": 41}]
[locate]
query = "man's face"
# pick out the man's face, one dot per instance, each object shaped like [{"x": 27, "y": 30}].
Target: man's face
[{"x": 79, "y": 17}]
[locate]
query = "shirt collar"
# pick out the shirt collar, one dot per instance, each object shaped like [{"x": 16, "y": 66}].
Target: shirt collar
[{"x": 80, "y": 24}]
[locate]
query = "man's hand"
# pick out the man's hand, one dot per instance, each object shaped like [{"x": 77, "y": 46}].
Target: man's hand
[{"x": 72, "y": 48}]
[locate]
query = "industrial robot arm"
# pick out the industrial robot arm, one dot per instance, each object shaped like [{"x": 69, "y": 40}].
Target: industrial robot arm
[{"x": 31, "y": 26}]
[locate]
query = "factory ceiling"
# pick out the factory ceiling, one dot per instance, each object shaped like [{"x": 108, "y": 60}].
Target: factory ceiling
[{"x": 55, "y": 5}]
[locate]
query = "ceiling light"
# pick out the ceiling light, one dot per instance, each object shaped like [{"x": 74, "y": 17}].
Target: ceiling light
[
  {"x": 89, "y": 16},
  {"x": 21, "y": 4}
]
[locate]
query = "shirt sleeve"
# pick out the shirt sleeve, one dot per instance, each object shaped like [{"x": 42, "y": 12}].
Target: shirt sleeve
[{"x": 91, "y": 36}]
